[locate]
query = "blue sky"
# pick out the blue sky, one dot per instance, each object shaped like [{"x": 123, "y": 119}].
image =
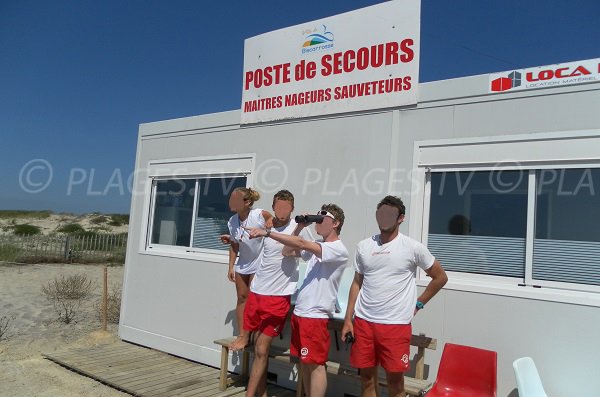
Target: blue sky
[{"x": 78, "y": 77}]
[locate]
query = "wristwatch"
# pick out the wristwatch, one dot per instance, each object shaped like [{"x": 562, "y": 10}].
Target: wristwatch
[
  {"x": 420, "y": 305},
  {"x": 268, "y": 233}
]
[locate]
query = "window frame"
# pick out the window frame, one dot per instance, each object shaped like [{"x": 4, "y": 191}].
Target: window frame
[
  {"x": 208, "y": 167},
  {"x": 568, "y": 150}
]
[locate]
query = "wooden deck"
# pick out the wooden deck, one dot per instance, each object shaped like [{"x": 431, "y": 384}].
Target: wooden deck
[{"x": 141, "y": 371}]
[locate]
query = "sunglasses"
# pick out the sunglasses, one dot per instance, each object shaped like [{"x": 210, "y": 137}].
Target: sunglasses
[{"x": 326, "y": 213}]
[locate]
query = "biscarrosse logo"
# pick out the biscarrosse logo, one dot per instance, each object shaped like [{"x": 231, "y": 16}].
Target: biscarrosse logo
[
  {"x": 315, "y": 40},
  {"x": 513, "y": 79}
]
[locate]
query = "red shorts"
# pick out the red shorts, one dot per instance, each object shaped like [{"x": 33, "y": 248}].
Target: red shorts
[
  {"x": 266, "y": 313},
  {"x": 310, "y": 339},
  {"x": 385, "y": 344}
]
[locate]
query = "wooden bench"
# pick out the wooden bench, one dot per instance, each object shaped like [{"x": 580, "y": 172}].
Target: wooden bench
[
  {"x": 414, "y": 386},
  {"x": 275, "y": 352}
]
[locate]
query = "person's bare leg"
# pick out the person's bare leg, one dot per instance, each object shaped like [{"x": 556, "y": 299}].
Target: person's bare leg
[
  {"x": 395, "y": 381},
  {"x": 306, "y": 379},
  {"x": 316, "y": 377},
  {"x": 257, "y": 384},
  {"x": 369, "y": 382},
  {"x": 242, "y": 287},
  {"x": 262, "y": 389}
]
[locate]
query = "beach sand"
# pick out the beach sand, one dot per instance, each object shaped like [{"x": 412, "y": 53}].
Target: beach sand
[{"x": 36, "y": 330}]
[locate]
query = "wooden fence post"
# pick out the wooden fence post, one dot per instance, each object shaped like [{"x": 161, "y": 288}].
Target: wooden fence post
[
  {"x": 67, "y": 246},
  {"x": 105, "y": 300}
]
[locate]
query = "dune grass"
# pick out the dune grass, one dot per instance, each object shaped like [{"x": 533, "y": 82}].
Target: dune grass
[
  {"x": 9, "y": 252},
  {"x": 20, "y": 214}
]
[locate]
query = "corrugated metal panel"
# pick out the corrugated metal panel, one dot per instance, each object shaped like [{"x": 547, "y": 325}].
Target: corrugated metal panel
[
  {"x": 207, "y": 231},
  {"x": 499, "y": 256},
  {"x": 567, "y": 261}
]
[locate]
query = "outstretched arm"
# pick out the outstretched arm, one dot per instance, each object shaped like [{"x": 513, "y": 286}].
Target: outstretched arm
[
  {"x": 294, "y": 242},
  {"x": 289, "y": 251}
]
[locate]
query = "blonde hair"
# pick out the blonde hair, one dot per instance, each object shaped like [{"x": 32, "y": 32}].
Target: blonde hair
[{"x": 249, "y": 194}]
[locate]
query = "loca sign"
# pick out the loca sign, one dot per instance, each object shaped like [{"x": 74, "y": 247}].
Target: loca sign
[{"x": 587, "y": 71}]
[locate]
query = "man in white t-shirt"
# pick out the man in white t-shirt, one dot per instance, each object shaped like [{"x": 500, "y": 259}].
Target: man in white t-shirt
[
  {"x": 383, "y": 299},
  {"x": 273, "y": 284},
  {"x": 315, "y": 304}
]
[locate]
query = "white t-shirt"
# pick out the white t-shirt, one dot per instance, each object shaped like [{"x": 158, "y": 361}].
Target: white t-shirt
[
  {"x": 250, "y": 253},
  {"x": 277, "y": 274},
  {"x": 318, "y": 294},
  {"x": 389, "y": 292}
]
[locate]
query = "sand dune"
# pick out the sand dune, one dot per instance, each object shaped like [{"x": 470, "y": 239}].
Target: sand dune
[
  {"x": 53, "y": 222},
  {"x": 35, "y": 330}
]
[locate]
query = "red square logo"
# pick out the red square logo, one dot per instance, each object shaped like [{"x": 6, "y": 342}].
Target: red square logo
[{"x": 502, "y": 84}]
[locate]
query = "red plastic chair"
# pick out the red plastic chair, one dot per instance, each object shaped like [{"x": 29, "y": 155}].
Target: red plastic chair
[{"x": 465, "y": 371}]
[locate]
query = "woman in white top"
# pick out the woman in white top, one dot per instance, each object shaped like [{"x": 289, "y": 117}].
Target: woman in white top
[{"x": 247, "y": 252}]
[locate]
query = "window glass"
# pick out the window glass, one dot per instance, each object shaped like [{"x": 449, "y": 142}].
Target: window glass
[
  {"x": 213, "y": 211},
  {"x": 567, "y": 231},
  {"x": 174, "y": 203},
  {"x": 478, "y": 221}
]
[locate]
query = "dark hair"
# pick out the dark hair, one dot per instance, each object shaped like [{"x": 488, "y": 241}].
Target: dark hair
[
  {"x": 336, "y": 211},
  {"x": 284, "y": 195},
  {"x": 393, "y": 201},
  {"x": 459, "y": 224}
]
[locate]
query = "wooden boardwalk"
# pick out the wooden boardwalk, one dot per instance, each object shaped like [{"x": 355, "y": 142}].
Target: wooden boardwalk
[{"x": 141, "y": 371}]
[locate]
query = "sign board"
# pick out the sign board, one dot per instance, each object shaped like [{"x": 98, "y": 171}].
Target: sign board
[
  {"x": 360, "y": 60},
  {"x": 561, "y": 74}
]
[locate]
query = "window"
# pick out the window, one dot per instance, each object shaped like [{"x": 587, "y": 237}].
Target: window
[
  {"x": 175, "y": 222},
  {"x": 513, "y": 211},
  {"x": 188, "y": 204},
  {"x": 478, "y": 224}
]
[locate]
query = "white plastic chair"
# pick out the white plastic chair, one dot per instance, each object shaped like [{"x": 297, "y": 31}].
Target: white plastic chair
[{"x": 528, "y": 379}]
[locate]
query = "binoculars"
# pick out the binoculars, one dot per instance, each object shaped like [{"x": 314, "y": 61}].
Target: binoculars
[{"x": 309, "y": 218}]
